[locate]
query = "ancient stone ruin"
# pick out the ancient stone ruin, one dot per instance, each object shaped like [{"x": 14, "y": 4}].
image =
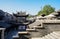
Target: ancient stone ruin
[{"x": 17, "y": 26}]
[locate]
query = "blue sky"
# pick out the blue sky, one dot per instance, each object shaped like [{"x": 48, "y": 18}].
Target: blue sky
[{"x": 30, "y": 6}]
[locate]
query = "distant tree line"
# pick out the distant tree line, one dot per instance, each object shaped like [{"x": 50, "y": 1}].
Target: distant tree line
[{"x": 47, "y": 9}]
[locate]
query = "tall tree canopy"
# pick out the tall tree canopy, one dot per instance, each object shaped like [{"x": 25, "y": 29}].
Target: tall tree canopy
[{"x": 47, "y": 9}]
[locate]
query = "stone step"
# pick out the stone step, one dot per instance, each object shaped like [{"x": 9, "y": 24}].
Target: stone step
[
  {"x": 36, "y": 38},
  {"x": 37, "y": 27},
  {"x": 53, "y": 35},
  {"x": 30, "y": 29},
  {"x": 56, "y": 35},
  {"x": 16, "y": 37},
  {"x": 23, "y": 35},
  {"x": 49, "y": 36},
  {"x": 23, "y": 32},
  {"x": 46, "y": 37},
  {"x": 43, "y": 38}
]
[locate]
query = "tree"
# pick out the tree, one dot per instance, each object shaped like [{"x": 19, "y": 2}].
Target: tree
[{"x": 47, "y": 9}]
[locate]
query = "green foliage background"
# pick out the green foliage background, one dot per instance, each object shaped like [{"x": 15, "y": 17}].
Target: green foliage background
[{"x": 47, "y": 9}]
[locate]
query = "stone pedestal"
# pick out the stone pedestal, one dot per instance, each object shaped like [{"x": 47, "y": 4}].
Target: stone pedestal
[{"x": 2, "y": 33}]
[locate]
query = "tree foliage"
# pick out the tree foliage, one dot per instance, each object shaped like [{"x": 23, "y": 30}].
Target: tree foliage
[{"x": 47, "y": 9}]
